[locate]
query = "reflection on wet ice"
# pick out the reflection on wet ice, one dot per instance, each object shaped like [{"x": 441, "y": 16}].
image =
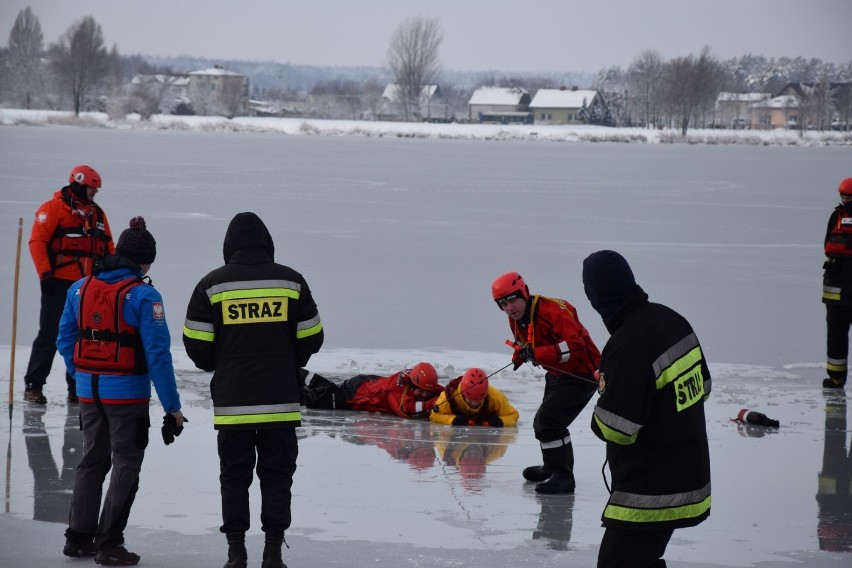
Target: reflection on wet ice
[
  {"x": 834, "y": 528},
  {"x": 52, "y": 484}
]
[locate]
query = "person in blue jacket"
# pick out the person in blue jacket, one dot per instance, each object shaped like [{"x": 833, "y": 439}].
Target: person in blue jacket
[{"x": 115, "y": 342}]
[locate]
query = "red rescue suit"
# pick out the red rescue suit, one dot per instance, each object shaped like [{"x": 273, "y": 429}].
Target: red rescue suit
[
  {"x": 560, "y": 343},
  {"x": 393, "y": 394},
  {"x": 68, "y": 236}
]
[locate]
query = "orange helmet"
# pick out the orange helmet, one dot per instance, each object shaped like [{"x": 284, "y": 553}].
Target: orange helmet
[
  {"x": 845, "y": 187},
  {"x": 508, "y": 284},
  {"x": 474, "y": 384},
  {"x": 84, "y": 175},
  {"x": 424, "y": 376}
]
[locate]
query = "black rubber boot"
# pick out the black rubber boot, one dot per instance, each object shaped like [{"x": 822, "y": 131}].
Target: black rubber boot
[
  {"x": 537, "y": 473},
  {"x": 558, "y": 483},
  {"x": 560, "y": 461}
]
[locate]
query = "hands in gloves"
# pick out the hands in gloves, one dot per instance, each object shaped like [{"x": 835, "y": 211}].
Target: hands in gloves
[
  {"x": 172, "y": 426},
  {"x": 493, "y": 420},
  {"x": 521, "y": 356},
  {"x": 460, "y": 420}
]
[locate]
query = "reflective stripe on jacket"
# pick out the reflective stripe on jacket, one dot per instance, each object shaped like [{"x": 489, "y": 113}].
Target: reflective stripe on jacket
[
  {"x": 653, "y": 384},
  {"x": 254, "y": 323}
]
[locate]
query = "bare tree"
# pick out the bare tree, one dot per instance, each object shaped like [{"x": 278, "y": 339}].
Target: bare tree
[
  {"x": 678, "y": 99},
  {"x": 709, "y": 80},
  {"x": 26, "y": 44},
  {"x": 691, "y": 86},
  {"x": 371, "y": 95},
  {"x": 645, "y": 79},
  {"x": 79, "y": 60},
  {"x": 413, "y": 60}
]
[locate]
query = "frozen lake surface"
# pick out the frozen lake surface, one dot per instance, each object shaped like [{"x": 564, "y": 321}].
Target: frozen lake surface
[{"x": 399, "y": 240}]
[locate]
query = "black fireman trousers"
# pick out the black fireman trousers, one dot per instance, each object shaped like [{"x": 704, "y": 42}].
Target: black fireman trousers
[
  {"x": 838, "y": 319},
  {"x": 53, "y": 292},
  {"x": 564, "y": 398},
  {"x": 627, "y": 548},
  {"x": 274, "y": 452}
]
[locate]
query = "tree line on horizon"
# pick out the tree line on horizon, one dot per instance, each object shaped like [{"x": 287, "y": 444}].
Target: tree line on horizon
[{"x": 77, "y": 72}]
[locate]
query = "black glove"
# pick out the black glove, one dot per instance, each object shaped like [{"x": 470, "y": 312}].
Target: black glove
[
  {"x": 170, "y": 428},
  {"x": 494, "y": 420},
  {"x": 521, "y": 356},
  {"x": 460, "y": 420}
]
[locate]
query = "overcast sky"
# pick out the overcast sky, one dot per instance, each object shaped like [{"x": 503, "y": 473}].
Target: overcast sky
[{"x": 479, "y": 35}]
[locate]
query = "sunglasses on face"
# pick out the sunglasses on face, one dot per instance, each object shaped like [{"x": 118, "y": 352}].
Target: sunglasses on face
[{"x": 510, "y": 298}]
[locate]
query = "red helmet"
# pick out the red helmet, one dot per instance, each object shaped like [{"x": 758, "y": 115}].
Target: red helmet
[
  {"x": 421, "y": 458},
  {"x": 845, "y": 187},
  {"x": 508, "y": 284},
  {"x": 84, "y": 175},
  {"x": 424, "y": 376},
  {"x": 474, "y": 384}
]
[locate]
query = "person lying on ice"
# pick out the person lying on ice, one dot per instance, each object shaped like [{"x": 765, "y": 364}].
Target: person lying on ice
[
  {"x": 469, "y": 400},
  {"x": 410, "y": 393}
]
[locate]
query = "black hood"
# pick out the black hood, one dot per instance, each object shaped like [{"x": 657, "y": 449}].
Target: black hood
[{"x": 247, "y": 231}]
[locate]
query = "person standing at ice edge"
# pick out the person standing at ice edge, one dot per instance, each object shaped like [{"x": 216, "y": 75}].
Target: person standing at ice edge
[
  {"x": 549, "y": 334},
  {"x": 254, "y": 323},
  {"x": 115, "y": 342},
  {"x": 70, "y": 235},
  {"x": 837, "y": 287},
  {"x": 653, "y": 382}
]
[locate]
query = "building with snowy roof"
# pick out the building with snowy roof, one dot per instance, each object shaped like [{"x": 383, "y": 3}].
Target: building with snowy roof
[
  {"x": 501, "y": 105},
  {"x": 217, "y": 91},
  {"x": 566, "y": 106}
]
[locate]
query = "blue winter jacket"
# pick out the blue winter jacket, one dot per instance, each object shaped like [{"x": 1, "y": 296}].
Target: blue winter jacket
[{"x": 139, "y": 311}]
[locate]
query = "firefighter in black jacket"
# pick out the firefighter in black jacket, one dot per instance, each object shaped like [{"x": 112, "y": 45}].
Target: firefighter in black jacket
[
  {"x": 653, "y": 383},
  {"x": 254, "y": 323},
  {"x": 837, "y": 287}
]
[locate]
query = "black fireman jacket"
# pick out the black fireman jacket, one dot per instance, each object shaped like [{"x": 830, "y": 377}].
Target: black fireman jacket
[
  {"x": 653, "y": 383},
  {"x": 837, "y": 275},
  {"x": 253, "y": 323}
]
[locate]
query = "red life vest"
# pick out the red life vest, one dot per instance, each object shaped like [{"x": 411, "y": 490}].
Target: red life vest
[
  {"x": 106, "y": 344},
  {"x": 840, "y": 238},
  {"x": 87, "y": 237}
]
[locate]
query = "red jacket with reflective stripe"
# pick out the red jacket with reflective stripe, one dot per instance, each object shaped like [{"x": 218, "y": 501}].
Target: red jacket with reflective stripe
[
  {"x": 68, "y": 236},
  {"x": 560, "y": 342}
]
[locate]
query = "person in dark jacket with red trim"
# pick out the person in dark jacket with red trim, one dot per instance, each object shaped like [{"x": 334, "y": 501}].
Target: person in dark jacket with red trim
[
  {"x": 254, "y": 323},
  {"x": 70, "y": 236},
  {"x": 837, "y": 288},
  {"x": 653, "y": 381}
]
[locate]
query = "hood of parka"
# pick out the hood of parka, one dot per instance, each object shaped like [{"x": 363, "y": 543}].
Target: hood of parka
[{"x": 247, "y": 231}]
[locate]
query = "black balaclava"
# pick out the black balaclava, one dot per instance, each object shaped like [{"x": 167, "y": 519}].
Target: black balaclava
[{"x": 608, "y": 281}]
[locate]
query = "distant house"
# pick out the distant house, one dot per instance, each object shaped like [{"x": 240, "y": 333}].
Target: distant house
[
  {"x": 822, "y": 105},
  {"x": 169, "y": 90},
  {"x": 429, "y": 105},
  {"x": 735, "y": 110},
  {"x": 565, "y": 106},
  {"x": 777, "y": 112},
  {"x": 502, "y": 105},
  {"x": 217, "y": 91}
]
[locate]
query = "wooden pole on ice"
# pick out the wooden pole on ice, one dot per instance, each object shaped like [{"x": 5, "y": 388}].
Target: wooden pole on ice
[{"x": 15, "y": 321}]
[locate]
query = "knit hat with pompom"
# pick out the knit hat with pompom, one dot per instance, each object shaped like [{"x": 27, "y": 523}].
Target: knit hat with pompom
[{"x": 136, "y": 243}]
